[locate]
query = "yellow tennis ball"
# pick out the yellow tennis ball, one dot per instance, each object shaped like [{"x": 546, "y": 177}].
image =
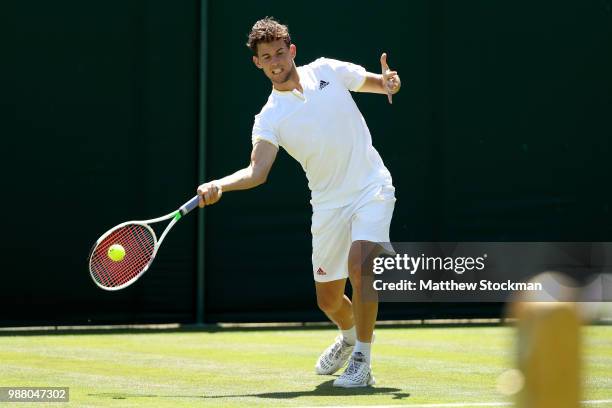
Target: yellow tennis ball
[{"x": 116, "y": 252}]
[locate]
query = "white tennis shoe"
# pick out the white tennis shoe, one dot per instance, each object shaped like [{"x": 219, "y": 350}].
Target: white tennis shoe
[
  {"x": 358, "y": 373},
  {"x": 334, "y": 357}
]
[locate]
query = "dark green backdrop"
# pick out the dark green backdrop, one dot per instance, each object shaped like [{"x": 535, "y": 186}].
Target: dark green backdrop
[
  {"x": 501, "y": 132},
  {"x": 99, "y": 105}
]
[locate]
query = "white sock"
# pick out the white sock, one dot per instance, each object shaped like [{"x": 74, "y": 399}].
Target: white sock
[
  {"x": 363, "y": 348},
  {"x": 349, "y": 336}
]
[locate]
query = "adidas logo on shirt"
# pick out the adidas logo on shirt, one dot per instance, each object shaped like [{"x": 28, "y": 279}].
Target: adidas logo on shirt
[{"x": 323, "y": 84}]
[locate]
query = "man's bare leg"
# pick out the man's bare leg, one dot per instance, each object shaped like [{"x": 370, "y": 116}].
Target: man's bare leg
[
  {"x": 334, "y": 303},
  {"x": 364, "y": 312},
  {"x": 359, "y": 373},
  {"x": 337, "y": 307}
]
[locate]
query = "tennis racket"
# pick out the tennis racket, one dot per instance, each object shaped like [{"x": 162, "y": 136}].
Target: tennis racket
[{"x": 140, "y": 244}]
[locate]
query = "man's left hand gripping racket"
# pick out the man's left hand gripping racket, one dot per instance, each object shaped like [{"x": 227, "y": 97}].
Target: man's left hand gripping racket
[{"x": 139, "y": 243}]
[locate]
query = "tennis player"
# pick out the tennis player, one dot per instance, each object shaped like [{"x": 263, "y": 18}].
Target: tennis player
[{"x": 312, "y": 115}]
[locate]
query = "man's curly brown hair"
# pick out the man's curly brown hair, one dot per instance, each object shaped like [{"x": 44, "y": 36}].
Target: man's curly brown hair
[{"x": 267, "y": 30}]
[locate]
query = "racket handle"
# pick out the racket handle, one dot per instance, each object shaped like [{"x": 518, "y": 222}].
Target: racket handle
[{"x": 189, "y": 205}]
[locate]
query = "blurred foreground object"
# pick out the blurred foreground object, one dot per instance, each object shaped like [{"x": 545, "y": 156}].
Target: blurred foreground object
[{"x": 549, "y": 349}]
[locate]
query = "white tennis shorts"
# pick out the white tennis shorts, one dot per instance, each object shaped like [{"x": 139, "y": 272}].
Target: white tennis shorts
[{"x": 334, "y": 230}]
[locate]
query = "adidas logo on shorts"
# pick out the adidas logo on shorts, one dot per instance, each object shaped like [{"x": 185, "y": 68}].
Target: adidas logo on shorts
[
  {"x": 323, "y": 84},
  {"x": 320, "y": 271}
]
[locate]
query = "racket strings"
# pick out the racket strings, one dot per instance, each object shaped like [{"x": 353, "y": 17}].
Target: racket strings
[{"x": 139, "y": 244}]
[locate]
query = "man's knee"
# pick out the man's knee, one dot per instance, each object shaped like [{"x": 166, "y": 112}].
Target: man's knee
[
  {"x": 329, "y": 303},
  {"x": 361, "y": 258},
  {"x": 355, "y": 274}
]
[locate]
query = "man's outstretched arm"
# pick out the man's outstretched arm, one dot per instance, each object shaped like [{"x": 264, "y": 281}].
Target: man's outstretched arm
[
  {"x": 262, "y": 158},
  {"x": 386, "y": 83}
]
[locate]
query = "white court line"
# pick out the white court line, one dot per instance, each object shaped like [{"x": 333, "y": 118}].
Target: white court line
[
  {"x": 451, "y": 405},
  {"x": 448, "y": 405}
]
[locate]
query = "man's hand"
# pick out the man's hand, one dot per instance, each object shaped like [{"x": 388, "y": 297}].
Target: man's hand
[
  {"x": 390, "y": 80},
  {"x": 209, "y": 193}
]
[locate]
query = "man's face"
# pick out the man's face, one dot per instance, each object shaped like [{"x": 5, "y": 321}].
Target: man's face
[{"x": 276, "y": 60}]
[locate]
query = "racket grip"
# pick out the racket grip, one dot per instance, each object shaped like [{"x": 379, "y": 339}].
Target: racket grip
[{"x": 189, "y": 205}]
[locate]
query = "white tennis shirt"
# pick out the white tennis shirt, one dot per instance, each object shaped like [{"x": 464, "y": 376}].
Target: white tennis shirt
[{"x": 325, "y": 132}]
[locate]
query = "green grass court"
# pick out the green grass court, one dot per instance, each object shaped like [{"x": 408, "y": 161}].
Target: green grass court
[{"x": 274, "y": 367}]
